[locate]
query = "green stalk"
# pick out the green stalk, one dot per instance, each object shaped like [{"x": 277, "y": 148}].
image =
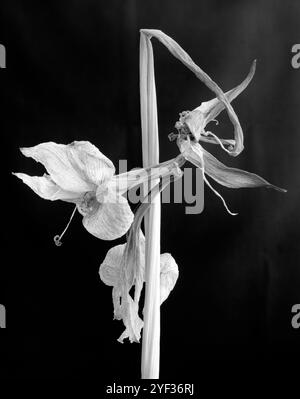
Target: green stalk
[{"x": 151, "y": 330}]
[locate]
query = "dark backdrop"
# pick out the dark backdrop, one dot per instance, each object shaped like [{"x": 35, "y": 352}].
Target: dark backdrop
[{"x": 72, "y": 74}]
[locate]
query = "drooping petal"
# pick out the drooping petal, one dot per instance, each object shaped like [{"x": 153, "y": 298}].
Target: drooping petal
[
  {"x": 56, "y": 161},
  {"x": 109, "y": 220},
  {"x": 114, "y": 271},
  {"x": 197, "y": 119},
  {"x": 78, "y": 167},
  {"x": 133, "y": 323},
  {"x": 110, "y": 268},
  {"x": 94, "y": 166},
  {"x": 229, "y": 177},
  {"x": 211, "y": 109},
  {"x": 45, "y": 187},
  {"x": 233, "y": 177},
  {"x": 124, "y": 267},
  {"x": 125, "y": 263},
  {"x": 168, "y": 275},
  {"x": 212, "y": 140},
  {"x": 180, "y": 54},
  {"x": 192, "y": 152},
  {"x": 118, "y": 270}
]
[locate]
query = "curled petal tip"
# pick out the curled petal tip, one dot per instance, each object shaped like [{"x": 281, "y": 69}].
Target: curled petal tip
[
  {"x": 236, "y": 151},
  {"x": 252, "y": 70},
  {"x": 145, "y": 31}
]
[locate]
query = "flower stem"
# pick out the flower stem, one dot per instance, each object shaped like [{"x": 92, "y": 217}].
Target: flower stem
[{"x": 151, "y": 330}]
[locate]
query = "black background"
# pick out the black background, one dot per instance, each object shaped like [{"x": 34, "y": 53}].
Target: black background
[{"x": 72, "y": 74}]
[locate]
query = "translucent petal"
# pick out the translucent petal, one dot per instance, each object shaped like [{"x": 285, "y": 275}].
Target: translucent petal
[
  {"x": 168, "y": 275},
  {"x": 131, "y": 320},
  {"x": 192, "y": 152},
  {"x": 94, "y": 166},
  {"x": 213, "y": 140},
  {"x": 197, "y": 119},
  {"x": 110, "y": 268},
  {"x": 110, "y": 219},
  {"x": 233, "y": 177},
  {"x": 124, "y": 267},
  {"x": 76, "y": 167},
  {"x": 212, "y": 108},
  {"x": 224, "y": 175},
  {"x": 45, "y": 187},
  {"x": 57, "y": 163}
]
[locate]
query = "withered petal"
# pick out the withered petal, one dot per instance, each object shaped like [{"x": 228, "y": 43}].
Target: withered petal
[
  {"x": 78, "y": 167},
  {"x": 45, "y": 187},
  {"x": 233, "y": 177},
  {"x": 110, "y": 268},
  {"x": 212, "y": 108},
  {"x": 168, "y": 275},
  {"x": 182, "y": 56},
  {"x": 111, "y": 219}
]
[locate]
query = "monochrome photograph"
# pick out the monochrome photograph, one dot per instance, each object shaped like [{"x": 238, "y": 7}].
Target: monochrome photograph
[{"x": 151, "y": 222}]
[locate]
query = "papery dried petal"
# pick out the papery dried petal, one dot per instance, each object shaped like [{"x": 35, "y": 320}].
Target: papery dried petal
[
  {"x": 168, "y": 275},
  {"x": 211, "y": 109},
  {"x": 131, "y": 320},
  {"x": 233, "y": 177},
  {"x": 117, "y": 270},
  {"x": 182, "y": 56},
  {"x": 111, "y": 219},
  {"x": 124, "y": 267},
  {"x": 45, "y": 187},
  {"x": 110, "y": 268},
  {"x": 192, "y": 152},
  {"x": 94, "y": 166},
  {"x": 55, "y": 159},
  {"x": 78, "y": 167}
]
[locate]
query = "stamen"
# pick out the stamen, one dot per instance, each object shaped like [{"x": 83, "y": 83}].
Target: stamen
[
  {"x": 219, "y": 195},
  {"x": 57, "y": 238},
  {"x": 172, "y": 136},
  {"x": 219, "y": 141}
]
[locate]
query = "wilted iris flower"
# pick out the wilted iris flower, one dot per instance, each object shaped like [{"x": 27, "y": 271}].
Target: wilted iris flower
[
  {"x": 114, "y": 271},
  {"x": 124, "y": 266},
  {"x": 191, "y": 127},
  {"x": 79, "y": 173}
]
